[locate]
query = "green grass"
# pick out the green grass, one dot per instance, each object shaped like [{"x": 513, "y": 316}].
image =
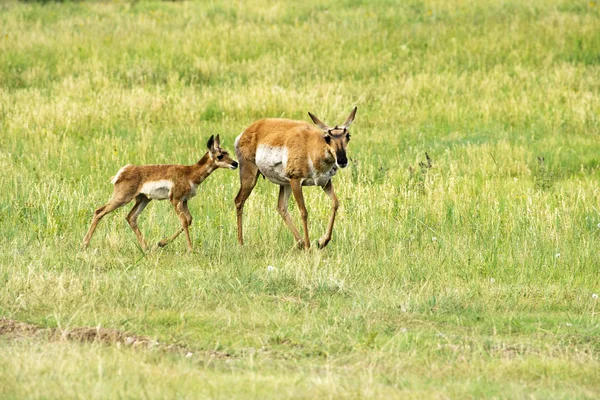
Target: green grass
[{"x": 473, "y": 278}]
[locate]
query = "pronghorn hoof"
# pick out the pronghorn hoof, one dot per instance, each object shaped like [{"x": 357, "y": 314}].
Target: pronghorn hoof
[
  {"x": 322, "y": 243},
  {"x": 300, "y": 244},
  {"x": 158, "y": 245}
]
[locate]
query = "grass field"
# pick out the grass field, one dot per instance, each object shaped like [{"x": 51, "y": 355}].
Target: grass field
[{"x": 476, "y": 277}]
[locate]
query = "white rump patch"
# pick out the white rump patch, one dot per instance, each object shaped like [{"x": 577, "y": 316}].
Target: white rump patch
[
  {"x": 157, "y": 190},
  {"x": 236, "y": 149},
  {"x": 118, "y": 175},
  {"x": 272, "y": 162},
  {"x": 237, "y": 140}
]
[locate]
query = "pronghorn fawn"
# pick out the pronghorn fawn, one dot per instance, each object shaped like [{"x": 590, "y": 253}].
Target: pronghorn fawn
[
  {"x": 292, "y": 154},
  {"x": 178, "y": 183}
]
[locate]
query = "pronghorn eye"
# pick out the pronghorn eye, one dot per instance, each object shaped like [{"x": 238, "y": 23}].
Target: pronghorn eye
[
  {"x": 348, "y": 137},
  {"x": 220, "y": 157}
]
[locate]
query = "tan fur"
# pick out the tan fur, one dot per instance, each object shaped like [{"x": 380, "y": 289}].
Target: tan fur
[
  {"x": 301, "y": 139},
  {"x": 176, "y": 182},
  {"x": 299, "y": 154}
]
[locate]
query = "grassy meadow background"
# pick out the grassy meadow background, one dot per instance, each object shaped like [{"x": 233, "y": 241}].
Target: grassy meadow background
[{"x": 474, "y": 277}]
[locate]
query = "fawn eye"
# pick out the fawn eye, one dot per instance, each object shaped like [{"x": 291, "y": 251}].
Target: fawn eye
[{"x": 220, "y": 157}]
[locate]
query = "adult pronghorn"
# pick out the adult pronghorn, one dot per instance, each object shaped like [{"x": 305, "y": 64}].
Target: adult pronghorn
[
  {"x": 178, "y": 183},
  {"x": 292, "y": 154}
]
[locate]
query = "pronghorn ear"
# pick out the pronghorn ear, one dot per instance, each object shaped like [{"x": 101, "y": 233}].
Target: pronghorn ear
[
  {"x": 210, "y": 143},
  {"x": 318, "y": 122},
  {"x": 350, "y": 119},
  {"x": 217, "y": 142}
]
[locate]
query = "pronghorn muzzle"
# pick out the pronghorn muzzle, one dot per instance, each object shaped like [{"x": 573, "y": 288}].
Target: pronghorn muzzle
[{"x": 342, "y": 160}]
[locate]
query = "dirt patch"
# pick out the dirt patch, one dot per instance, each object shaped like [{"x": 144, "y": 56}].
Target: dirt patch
[
  {"x": 11, "y": 328},
  {"x": 16, "y": 330},
  {"x": 107, "y": 336}
]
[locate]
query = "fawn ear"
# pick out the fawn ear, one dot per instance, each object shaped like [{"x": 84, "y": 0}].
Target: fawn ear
[
  {"x": 318, "y": 122},
  {"x": 210, "y": 143},
  {"x": 350, "y": 119}
]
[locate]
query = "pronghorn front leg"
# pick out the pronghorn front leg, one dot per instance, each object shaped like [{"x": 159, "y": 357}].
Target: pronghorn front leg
[
  {"x": 328, "y": 188},
  {"x": 188, "y": 218},
  {"x": 299, "y": 197},
  {"x": 179, "y": 210},
  {"x": 282, "y": 206}
]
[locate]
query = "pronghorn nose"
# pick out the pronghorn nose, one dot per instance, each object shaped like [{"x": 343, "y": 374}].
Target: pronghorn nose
[
  {"x": 234, "y": 165},
  {"x": 343, "y": 164}
]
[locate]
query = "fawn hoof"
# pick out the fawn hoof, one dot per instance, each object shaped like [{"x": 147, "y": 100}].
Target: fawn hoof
[
  {"x": 321, "y": 243},
  {"x": 85, "y": 243},
  {"x": 157, "y": 246}
]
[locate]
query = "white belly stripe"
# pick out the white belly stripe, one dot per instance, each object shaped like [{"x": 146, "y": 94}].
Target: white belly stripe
[
  {"x": 272, "y": 162},
  {"x": 157, "y": 190}
]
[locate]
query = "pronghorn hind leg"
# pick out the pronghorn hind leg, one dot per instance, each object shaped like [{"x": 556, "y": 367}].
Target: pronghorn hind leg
[
  {"x": 100, "y": 212},
  {"x": 299, "y": 197},
  {"x": 282, "y": 206},
  {"x": 141, "y": 201},
  {"x": 248, "y": 177},
  {"x": 178, "y": 206},
  {"x": 328, "y": 188}
]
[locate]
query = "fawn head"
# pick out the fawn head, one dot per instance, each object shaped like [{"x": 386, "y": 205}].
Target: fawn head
[{"x": 219, "y": 157}]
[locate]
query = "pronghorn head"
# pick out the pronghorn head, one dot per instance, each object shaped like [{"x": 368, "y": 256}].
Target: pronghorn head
[
  {"x": 337, "y": 137},
  {"x": 219, "y": 157}
]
